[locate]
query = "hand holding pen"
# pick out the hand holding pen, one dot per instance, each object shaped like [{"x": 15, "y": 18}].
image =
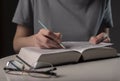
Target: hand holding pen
[{"x": 48, "y": 39}]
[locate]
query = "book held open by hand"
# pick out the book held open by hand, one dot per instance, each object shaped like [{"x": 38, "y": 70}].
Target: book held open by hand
[{"x": 73, "y": 52}]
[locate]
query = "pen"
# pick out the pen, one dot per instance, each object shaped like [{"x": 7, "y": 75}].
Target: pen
[{"x": 47, "y": 29}]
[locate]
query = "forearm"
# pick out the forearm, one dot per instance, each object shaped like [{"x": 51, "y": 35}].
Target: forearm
[
  {"x": 20, "y": 42},
  {"x": 23, "y": 37}
]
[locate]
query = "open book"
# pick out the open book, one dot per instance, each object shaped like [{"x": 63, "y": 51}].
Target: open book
[{"x": 73, "y": 52}]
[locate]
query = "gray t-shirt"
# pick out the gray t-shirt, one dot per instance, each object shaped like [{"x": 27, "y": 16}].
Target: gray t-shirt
[{"x": 77, "y": 20}]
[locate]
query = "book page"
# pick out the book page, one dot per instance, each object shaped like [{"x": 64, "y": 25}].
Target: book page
[
  {"x": 81, "y": 46},
  {"x": 38, "y": 50},
  {"x": 70, "y": 46}
]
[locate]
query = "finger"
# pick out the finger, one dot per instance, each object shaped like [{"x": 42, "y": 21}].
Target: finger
[
  {"x": 59, "y": 37},
  {"x": 106, "y": 40},
  {"x": 48, "y": 43},
  {"x": 93, "y": 40},
  {"x": 49, "y": 34},
  {"x": 40, "y": 44},
  {"x": 37, "y": 41},
  {"x": 101, "y": 37}
]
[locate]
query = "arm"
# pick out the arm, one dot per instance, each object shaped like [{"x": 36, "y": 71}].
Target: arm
[
  {"x": 106, "y": 24},
  {"x": 24, "y": 37}
]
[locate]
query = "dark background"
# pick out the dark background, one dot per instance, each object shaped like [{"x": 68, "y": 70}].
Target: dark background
[{"x": 7, "y": 29}]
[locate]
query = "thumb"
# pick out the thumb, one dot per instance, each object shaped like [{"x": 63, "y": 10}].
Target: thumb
[{"x": 58, "y": 35}]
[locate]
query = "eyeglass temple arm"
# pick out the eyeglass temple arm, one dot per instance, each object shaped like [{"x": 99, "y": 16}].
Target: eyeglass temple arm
[{"x": 32, "y": 71}]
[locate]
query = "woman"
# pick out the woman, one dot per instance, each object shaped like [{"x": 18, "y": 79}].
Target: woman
[{"x": 66, "y": 20}]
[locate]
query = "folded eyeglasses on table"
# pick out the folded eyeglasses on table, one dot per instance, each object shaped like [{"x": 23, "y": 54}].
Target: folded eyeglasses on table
[{"x": 16, "y": 67}]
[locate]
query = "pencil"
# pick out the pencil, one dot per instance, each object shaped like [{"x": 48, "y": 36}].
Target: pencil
[{"x": 47, "y": 29}]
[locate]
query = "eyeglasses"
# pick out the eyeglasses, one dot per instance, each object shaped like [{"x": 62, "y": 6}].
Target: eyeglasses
[{"x": 16, "y": 67}]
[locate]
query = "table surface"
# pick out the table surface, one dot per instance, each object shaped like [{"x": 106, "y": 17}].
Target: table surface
[{"x": 100, "y": 70}]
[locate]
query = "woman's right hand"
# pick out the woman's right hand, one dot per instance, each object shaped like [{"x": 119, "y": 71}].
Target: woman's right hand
[{"x": 47, "y": 39}]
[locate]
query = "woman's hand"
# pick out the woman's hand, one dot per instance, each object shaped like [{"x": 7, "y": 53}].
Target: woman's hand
[
  {"x": 102, "y": 37},
  {"x": 47, "y": 39}
]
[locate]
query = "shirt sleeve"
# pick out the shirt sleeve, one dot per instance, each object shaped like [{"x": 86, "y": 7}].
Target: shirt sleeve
[
  {"x": 24, "y": 13},
  {"x": 107, "y": 19}
]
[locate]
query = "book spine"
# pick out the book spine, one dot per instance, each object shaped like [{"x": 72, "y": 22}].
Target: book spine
[{"x": 24, "y": 61}]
